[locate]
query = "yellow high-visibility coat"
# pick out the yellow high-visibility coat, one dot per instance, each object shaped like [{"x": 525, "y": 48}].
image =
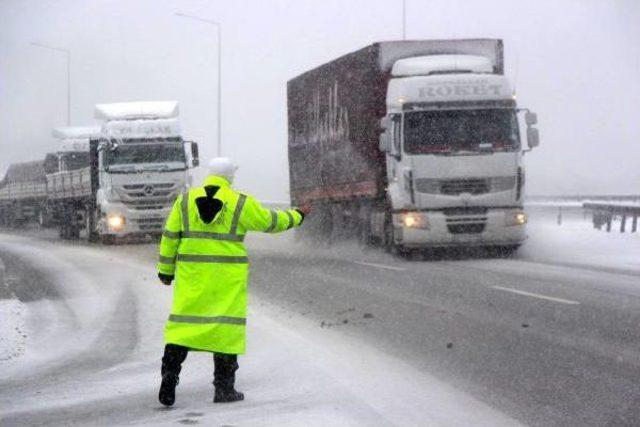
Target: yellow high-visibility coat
[{"x": 210, "y": 265}]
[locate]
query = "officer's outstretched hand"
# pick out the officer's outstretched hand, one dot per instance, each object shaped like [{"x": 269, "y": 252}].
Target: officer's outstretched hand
[
  {"x": 305, "y": 209},
  {"x": 166, "y": 279}
]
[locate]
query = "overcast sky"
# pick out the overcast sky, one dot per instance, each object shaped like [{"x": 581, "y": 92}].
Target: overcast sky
[{"x": 576, "y": 63}]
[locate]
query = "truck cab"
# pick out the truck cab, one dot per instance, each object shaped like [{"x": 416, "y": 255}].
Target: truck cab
[
  {"x": 454, "y": 154},
  {"x": 143, "y": 165}
]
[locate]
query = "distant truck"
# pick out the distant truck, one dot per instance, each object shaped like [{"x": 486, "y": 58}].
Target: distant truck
[
  {"x": 23, "y": 193},
  {"x": 411, "y": 144},
  {"x": 122, "y": 178},
  {"x": 137, "y": 166}
]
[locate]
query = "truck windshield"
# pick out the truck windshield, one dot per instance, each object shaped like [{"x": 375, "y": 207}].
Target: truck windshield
[
  {"x": 461, "y": 130},
  {"x": 147, "y": 155}
]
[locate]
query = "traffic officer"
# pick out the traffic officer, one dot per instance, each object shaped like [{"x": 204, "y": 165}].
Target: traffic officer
[{"x": 202, "y": 249}]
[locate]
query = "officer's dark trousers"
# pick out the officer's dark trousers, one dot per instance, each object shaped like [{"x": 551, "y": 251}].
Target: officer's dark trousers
[{"x": 225, "y": 365}]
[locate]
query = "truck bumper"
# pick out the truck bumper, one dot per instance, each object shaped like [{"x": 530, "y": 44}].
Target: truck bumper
[
  {"x": 134, "y": 222},
  {"x": 493, "y": 228}
]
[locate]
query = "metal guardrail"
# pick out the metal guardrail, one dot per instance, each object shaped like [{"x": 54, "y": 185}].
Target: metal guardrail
[{"x": 603, "y": 214}]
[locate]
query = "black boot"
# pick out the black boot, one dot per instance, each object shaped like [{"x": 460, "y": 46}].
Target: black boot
[
  {"x": 224, "y": 375},
  {"x": 172, "y": 360},
  {"x": 167, "y": 393},
  {"x": 226, "y": 396}
]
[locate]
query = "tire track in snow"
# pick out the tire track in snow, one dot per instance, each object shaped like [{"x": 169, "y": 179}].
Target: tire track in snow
[{"x": 112, "y": 345}]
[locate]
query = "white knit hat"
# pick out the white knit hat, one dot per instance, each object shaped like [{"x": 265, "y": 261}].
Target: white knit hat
[{"x": 222, "y": 166}]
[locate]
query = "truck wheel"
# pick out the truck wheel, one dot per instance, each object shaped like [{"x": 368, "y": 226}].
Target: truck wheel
[
  {"x": 107, "y": 239},
  {"x": 90, "y": 228},
  {"x": 42, "y": 223},
  {"x": 74, "y": 232},
  {"x": 389, "y": 243},
  {"x": 507, "y": 251},
  {"x": 63, "y": 231},
  {"x": 364, "y": 237}
]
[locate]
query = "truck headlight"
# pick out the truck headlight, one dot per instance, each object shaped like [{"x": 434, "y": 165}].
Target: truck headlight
[
  {"x": 515, "y": 218},
  {"x": 115, "y": 222},
  {"x": 415, "y": 220}
]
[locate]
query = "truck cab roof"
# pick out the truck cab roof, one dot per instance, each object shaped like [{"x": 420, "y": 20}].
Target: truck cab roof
[
  {"x": 137, "y": 110},
  {"x": 448, "y": 89},
  {"x": 441, "y": 64}
]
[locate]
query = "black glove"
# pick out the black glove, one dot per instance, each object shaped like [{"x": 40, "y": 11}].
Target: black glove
[{"x": 166, "y": 279}]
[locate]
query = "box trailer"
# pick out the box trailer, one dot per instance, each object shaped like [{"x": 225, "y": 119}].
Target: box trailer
[{"x": 411, "y": 144}]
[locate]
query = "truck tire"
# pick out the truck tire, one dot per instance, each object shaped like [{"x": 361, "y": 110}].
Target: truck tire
[
  {"x": 74, "y": 232},
  {"x": 107, "y": 239},
  {"x": 42, "y": 223},
  {"x": 389, "y": 243},
  {"x": 63, "y": 231},
  {"x": 90, "y": 225},
  {"x": 506, "y": 251},
  {"x": 365, "y": 238}
]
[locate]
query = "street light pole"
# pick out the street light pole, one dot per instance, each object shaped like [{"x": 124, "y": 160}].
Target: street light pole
[
  {"x": 67, "y": 53},
  {"x": 219, "y": 34},
  {"x": 404, "y": 19}
]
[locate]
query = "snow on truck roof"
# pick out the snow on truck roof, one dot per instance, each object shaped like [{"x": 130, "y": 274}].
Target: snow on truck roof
[
  {"x": 76, "y": 132},
  {"x": 75, "y": 138},
  {"x": 392, "y": 51},
  {"x": 137, "y": 110},
  {"x": 425, "y": 65}
]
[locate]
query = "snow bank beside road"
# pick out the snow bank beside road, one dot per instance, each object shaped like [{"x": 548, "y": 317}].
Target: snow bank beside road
[{"x": 576, "y": 242}]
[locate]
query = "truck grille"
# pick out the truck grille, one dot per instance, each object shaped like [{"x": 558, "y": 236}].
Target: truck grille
[
  {"x": 150, "y": 224},
  {"x": 148, "y": 196},
  {"x": 466, "y": 220},
  {"x": 466, "y": 211},
  {"x": 466, "y": 228},
  {"x": 459, "y": 186},
  {"x": 454, "y": 187}
]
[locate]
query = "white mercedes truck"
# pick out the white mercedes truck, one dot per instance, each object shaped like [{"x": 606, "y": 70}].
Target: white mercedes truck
[
  {"x": 413, "y": 144},
  {"x": 135, "y": 167}
]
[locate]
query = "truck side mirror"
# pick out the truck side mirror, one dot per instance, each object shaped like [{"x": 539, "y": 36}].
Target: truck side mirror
[
  {"x": 384, "y": 142},
  {"x": 384, "y": 123},
  {"x": 533, "y": 137},
  {"x": 50, "y": 163},
  {"x": 530, "y": 118},
  {"x": 195, "y": 156}
]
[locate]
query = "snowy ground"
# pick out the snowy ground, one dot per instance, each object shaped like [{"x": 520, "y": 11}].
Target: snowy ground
[
  {"x": 94, "y": 357},
  {"x": 337, "y": 335},
  {"x": 12, "y": 333}
]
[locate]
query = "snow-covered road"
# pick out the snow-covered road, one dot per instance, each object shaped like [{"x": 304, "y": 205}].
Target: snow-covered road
[
  {"x": 337, "y": 335},
  {"x": 94, "y": 341}
]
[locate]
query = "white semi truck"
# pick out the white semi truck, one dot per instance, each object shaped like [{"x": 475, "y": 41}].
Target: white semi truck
[
  {"x": 116, "y": 180},
  {"x": 413, "y": 144},
  {"x": 142, "y": 165}
]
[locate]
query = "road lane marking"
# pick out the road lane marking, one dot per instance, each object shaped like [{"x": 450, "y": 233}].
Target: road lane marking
[
  {"x": 370, "y": 264},
  {"x": 531, "y": 294}
]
